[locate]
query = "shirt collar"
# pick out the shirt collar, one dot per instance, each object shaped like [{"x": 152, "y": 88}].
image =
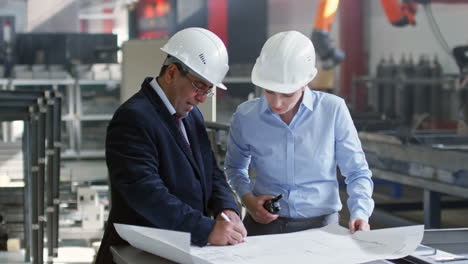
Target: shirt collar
[
  {"x": 307, "y": 101},
  {"x": 163, "y": 96}
]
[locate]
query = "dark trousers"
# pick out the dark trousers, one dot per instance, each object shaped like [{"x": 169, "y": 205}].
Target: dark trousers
[{"x": 288, "y": 225}]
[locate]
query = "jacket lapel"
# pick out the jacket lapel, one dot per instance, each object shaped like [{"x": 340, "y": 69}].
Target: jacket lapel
[
  {"x": 171, "y": 124},
  {"x": 189, "y": 124},
  {"x": 195, "y": 145}
]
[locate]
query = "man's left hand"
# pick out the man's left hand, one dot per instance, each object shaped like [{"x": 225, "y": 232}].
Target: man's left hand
[{"x": 358, "y": 224}]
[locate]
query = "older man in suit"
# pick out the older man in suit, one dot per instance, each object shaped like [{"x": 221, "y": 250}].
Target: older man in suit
[{"x": 162, "y": 170}]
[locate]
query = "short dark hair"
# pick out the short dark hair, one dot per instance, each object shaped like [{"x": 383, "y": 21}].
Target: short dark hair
[
  {"x": 177, "y": 64},
  {"x": 162, "y": 70}
]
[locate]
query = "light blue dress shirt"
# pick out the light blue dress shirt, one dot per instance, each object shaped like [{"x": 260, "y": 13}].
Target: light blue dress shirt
[{"x": 300, "y": 160}]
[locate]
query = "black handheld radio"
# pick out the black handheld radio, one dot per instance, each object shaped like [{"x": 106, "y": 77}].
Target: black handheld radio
[{"x": 273, "y": 205}]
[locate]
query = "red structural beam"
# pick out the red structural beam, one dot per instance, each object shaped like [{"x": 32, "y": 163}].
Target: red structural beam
[
  {"x": 107, "y": 24},
  {"x": 217, "y": 18},
  {"x": 352, "y": 42}
]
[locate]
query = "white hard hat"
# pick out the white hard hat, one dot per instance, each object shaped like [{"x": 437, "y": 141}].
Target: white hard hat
[
  {"x": 202, "y": 51},
  {"x": 286, "y": 63}
]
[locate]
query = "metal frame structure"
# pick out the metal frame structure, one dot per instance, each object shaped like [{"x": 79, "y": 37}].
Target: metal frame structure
[
  {"x": 43, "y": 148},
  {"x": 427, "y": 156},
  {"x": 81, "y": 116},
  {"x": 73, "y": 115},
  {"x": 41, "y": 113},
  {"x": 387, "y": 147}
]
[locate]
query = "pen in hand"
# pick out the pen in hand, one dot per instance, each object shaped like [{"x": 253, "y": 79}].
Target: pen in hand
[{"x": 225, "y": 217}]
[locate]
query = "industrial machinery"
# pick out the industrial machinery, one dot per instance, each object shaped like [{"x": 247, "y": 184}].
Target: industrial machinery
[
  {"x": 398, "y": 14},
  {"x": 409, "y": 93},
  {"x": 408, "y": 127}
]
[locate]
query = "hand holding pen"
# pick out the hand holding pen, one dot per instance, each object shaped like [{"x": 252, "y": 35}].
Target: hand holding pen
[
  {"x": 228, "y": 230},
  {"x": 233, "y": 217}
]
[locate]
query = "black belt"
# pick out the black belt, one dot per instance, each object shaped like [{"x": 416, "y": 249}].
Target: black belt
[
  {"x": 287, "y": 225},
  {"x": 302, "y": 220}
]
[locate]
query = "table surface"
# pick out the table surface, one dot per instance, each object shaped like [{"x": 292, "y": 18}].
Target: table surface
[{"x": 451, "y": 240}]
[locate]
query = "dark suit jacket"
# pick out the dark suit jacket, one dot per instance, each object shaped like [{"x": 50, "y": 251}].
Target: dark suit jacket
[{"x": 155, "y": 179}]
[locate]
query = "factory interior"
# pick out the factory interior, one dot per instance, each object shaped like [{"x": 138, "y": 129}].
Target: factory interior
[{"x": 67, "y": 65}]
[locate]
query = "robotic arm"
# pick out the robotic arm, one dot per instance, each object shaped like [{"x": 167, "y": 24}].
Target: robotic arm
[
  {"x": 399, "y": 14},
  {"x": 329, "y": 55}
]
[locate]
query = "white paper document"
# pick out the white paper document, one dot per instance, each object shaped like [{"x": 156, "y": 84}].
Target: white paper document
[
  {"x": 171, "y": 245},
  {"x": 330, "y": 244}
]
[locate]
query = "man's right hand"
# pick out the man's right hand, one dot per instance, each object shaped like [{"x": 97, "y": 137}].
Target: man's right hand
[
  {"x": 254, "y": 205},
  {"x": 226, "y": 233}
]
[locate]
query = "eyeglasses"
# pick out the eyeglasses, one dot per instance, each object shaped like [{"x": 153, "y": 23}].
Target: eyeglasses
[{"x": 201, "y": 88}]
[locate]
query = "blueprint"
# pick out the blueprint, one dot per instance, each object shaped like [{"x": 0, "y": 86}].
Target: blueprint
[{"x": 330, "y": 244}]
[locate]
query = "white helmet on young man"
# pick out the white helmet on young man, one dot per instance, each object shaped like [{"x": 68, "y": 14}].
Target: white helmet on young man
[
  {"x": 202, "y": 51},
  {"x": 286, "y": 63}
]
